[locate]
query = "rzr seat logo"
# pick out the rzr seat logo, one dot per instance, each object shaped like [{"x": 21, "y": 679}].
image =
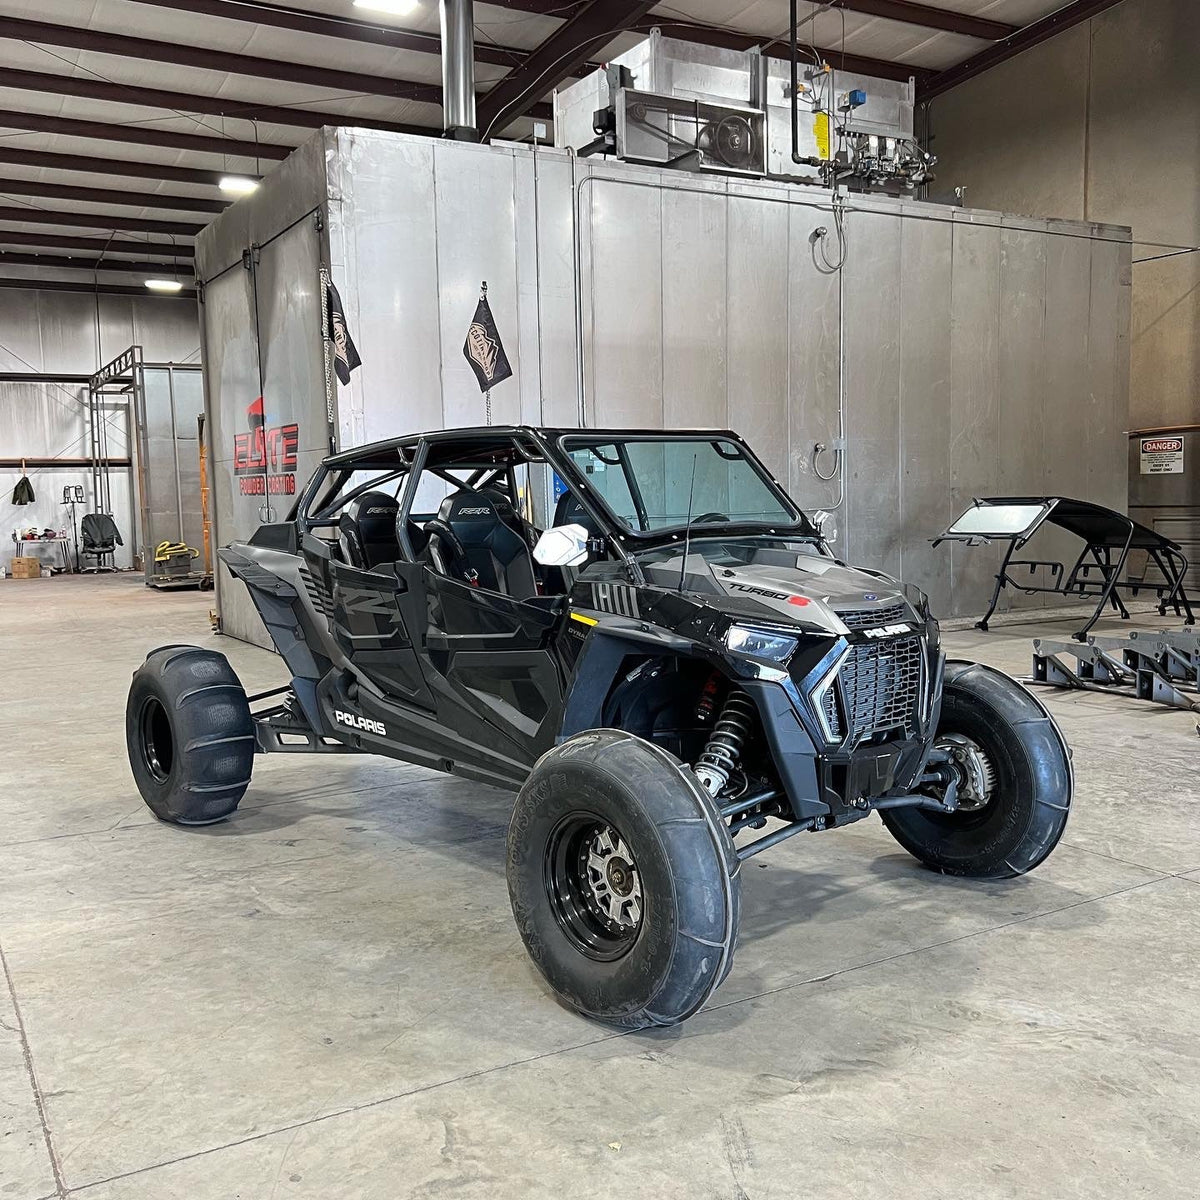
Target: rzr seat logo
[
  {"x": 265, "y": 458},
  {"x": 474, "y": 512},
  {"x": 887, "y": 631},
  {"x": 363, "y": 723}
]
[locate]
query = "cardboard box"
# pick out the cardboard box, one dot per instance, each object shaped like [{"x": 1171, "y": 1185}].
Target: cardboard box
[{"x": 26, "y": 568}]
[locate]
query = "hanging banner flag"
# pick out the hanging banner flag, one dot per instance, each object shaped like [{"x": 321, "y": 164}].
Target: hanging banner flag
[
  {"x": 483, "y": 348},
  {"x": 345, "y": 353}
]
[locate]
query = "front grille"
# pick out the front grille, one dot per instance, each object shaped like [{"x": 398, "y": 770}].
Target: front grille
[
  {"x": 881, "y": 685},
  {"x": 832, "y": 717},
  {"x": 869, "y": 618}
]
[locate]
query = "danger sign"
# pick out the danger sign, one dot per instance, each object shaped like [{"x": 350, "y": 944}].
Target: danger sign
[{"x": 1162, "y": 455}]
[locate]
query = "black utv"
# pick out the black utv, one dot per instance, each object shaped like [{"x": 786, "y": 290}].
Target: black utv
[{"x": 674, "y": 675}]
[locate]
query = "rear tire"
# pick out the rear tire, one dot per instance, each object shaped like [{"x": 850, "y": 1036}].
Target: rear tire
[
  {"x": 623, "y": 880},
  {"x": 189, "y": 734},
  {"x": 1031, "y": 796}
]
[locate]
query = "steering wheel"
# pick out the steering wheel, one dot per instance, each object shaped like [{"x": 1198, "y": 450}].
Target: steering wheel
[{"x": 711, "y": 518}]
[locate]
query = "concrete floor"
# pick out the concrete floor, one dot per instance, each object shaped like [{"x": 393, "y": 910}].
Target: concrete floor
[{"x": 326, "y": 997}]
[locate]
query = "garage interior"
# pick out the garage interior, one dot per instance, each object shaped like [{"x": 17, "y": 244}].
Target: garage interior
[{"x": 936, "y": 263}]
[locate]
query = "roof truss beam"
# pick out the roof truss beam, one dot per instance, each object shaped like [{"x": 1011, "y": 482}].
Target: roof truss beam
[
  {"x": 81, "y": 38},
  {"x": 51, "y": 160},
  {"x": 142, "y": 135},
  {"x": 1024, "y": 39},
  {"x": 943, "y": 19},
  {"x": 353, "y": 29},
  {"x": 590, "y": 27},
  {"x": 90, "y": 195},
  {"x": 109, "y": 245},
  {"x": 909, "y": 12},
  {"x": 84, "y": 220},
  {"x": 62, "y": 262},
  {"x": 216, "y": 106},
  {"x": 102, "y": 289}
]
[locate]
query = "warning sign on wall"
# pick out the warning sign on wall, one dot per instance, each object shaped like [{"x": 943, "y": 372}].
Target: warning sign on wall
[{"x": 1162, "y": 455}]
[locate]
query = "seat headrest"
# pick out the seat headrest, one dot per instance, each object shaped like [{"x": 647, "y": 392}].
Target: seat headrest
[
  {"x": 568, "y": 511},
  {"x": 374, "y": 515},
  {"x": 468, "y": 506}
]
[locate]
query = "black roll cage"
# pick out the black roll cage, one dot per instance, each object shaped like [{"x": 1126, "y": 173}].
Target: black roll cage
[{"x": 409, "y": 458}]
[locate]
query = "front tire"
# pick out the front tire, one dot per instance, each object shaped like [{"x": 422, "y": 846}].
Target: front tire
[
  {"x": 189, "y": 735},
  {"x": 1019, "y": 820},
  {"x": 623, "y": 880}
]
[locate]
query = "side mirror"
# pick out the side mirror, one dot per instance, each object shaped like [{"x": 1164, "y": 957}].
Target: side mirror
[
  {"x": 825, "y": 524},
  {"x": 562, "y": 546}
]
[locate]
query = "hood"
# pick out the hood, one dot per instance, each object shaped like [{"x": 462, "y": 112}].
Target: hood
[{"x": 813, "y": 591}]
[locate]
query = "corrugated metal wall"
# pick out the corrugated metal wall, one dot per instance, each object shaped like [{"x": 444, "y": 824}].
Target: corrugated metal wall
[
  {"x": 976, "y": 353},
  {"x": 74, "y": 334}
]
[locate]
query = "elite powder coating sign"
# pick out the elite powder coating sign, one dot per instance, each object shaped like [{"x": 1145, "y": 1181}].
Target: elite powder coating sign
[{"x": 1161, "y": 455}]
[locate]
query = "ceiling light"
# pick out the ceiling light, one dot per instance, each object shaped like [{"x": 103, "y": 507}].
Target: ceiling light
[
  {"x": 238, "y": 185},
  {"x": 164, "y": 285},
  {"x": 395, "y": 8}
]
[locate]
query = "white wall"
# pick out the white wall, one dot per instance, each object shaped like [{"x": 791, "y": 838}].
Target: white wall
[
  {"x": 1102, "y": 123},
  {"x": 74, "y": 333}
]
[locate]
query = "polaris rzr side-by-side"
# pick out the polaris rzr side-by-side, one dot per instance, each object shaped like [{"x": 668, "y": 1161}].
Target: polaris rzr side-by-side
[{"x": 674, "y": 676}]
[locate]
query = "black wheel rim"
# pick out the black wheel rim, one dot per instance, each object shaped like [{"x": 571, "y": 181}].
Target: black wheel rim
[
  {"x": 594, "y": 886},
  {"x": 976, "y": 817},
  {"x": 157, "y": 742}
]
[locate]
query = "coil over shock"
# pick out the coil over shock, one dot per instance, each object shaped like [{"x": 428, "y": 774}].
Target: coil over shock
[{"x": 720, "y": 756}]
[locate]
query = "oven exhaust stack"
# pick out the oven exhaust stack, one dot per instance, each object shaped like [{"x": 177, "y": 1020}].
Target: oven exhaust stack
[{"x": 458, "y": 70}]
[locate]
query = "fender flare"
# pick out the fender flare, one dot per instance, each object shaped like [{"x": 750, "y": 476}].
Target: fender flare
[
  {"x": 599, "y": 662},
  {"x": 1009, "y": 696}
]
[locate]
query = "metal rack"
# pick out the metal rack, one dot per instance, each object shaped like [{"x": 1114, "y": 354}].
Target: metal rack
[
  {"x": 1162, "y": 667},
  {"x": 126, "y": 376}
]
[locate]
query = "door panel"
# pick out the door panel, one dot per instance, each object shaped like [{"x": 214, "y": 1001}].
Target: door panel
[
  {"x": 489, "y": 659},
  {"x": 368, "y": 625}
]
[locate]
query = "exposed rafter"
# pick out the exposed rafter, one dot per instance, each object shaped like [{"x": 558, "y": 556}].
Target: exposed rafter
[
  {"x": 591, "y": 26},
  {"x": 91, "y": 88},
  {"x": 1024, "y": 39},
  {"x": 83, "y": 220},
  {"x": 906, "y": 11},
  {"x": 142, "y": 135},
  {"x": 67, "y": 191},
  {"x": 80, "y": 37},
  {"x": 51, "y": 160},
  {"x": 102, "y": 289},
  {"x": 63, "y": 262},
  {"x": 112, "y": 245},
  {"x": 928, "y": 17},
  {"x": 372, "y": 33}
]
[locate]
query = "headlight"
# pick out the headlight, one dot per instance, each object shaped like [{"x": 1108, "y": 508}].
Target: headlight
[{"x": 760, "y": 643}]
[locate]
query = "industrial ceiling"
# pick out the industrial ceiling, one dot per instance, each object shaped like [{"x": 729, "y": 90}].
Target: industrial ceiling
[{"x": 120, "y": 118}]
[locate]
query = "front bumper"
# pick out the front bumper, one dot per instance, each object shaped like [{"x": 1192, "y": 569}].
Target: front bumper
[{"x": 836, "y": 774}]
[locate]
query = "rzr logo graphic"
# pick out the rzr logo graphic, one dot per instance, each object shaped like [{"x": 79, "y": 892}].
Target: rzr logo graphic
[
  {"x": 363, "y": 723},
  {"x": 265, "y": 459},
  {"x": 887, "y": 631},
  {"x": 474, "y": 512}
]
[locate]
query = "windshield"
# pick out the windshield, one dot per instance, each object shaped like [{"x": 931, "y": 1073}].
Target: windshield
[{"x": 651, "y": 484}]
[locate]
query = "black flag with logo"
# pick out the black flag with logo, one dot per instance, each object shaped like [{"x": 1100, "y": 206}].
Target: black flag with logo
[
  {"x": 483, "y": 348},
  {"x": 345, "y": 353}
]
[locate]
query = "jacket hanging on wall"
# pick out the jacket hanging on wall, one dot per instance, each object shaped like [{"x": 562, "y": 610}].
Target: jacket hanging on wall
[
  {"x": 484, "y": 350},
  {"x": 345, "y": 353},
  {"x": 23, "y": 492}
]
